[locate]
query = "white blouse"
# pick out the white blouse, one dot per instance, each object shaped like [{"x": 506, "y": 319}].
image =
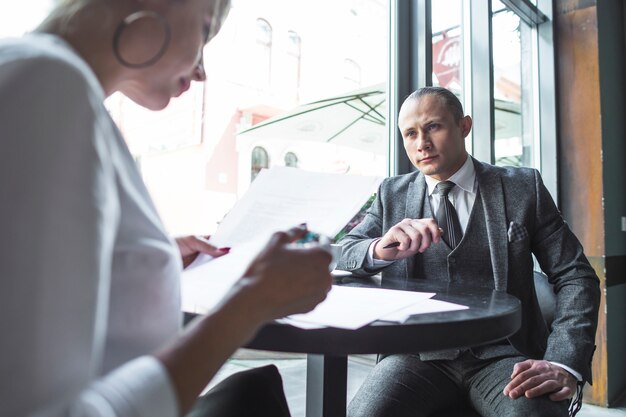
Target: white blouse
[{"x": 89, "y": 280}]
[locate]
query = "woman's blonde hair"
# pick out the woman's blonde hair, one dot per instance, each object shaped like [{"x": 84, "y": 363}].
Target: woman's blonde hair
[
  {"x": 65, "y": 11},
  {"x": 220, "y": 13}
]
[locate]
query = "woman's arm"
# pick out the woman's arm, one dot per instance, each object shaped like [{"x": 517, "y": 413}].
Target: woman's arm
[{"x": 279, "y": 282}]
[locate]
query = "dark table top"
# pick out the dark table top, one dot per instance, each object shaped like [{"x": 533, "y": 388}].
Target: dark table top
[{"x": 491, "y": 316}]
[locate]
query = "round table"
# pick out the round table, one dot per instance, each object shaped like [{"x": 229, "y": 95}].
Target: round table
[{"x": 491, "y": 316}]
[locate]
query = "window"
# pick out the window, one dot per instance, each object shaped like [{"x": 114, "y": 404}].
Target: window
[
  {"x": 291, "y": 160},
  {"x": 513, "y": 91},
  {"x": 259, "y": 160},
  {"x": 263, "y": 52},
  {"x": 292, "y": 70},
  {"x": 447, "y": 44},
  {"x": 17, "y": 18},
  {"x": 488, "y": 53},
  {"x": 271, "y": 57}
]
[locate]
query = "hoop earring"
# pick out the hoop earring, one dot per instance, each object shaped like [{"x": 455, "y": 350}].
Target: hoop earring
[{"x": 129, "y": 20}]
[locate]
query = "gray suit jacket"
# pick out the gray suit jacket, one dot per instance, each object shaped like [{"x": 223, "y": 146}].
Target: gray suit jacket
[{"x": 508, "y": 195}]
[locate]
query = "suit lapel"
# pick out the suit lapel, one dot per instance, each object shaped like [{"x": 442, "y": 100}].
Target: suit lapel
[
  {"x": 492, "y": 197},
  {"x": 413, "y": 210}
]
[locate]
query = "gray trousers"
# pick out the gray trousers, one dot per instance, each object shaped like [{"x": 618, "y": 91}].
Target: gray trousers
[{"x": 405, "y": 386}]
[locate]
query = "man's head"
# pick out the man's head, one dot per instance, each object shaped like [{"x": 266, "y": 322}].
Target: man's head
[{"x": 433, "y": 130}]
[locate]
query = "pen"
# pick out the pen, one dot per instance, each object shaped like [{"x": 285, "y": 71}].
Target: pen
[{"x": 392, "y": 245}]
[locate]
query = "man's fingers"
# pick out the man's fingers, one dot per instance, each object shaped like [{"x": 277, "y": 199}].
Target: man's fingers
[
  {"x": 557, "y": 391},
  {"x": 520, "y": 367},
  {"x": 562, "y": 394},
  {"x": 538, "y": 386},
  {"x": 533, "y": 378}
]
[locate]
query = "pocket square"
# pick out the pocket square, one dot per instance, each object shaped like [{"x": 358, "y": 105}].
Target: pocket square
[{"x": 516, "y": 232}]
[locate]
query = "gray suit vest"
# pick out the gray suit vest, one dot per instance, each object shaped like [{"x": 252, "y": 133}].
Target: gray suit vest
[{"x": 469, "y": 263}]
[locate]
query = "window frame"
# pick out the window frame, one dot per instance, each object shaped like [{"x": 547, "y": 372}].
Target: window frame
[{"x": 410, "y": 58}]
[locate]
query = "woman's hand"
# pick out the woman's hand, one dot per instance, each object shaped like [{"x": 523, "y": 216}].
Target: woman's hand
[
  {"x": 281, "y": 280},
  {"x": 191, "y": 246},
  {"x": 284, "y": 280}
]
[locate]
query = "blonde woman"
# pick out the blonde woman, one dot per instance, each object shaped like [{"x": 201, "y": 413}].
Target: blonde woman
[{"x": 89, "y": 293}]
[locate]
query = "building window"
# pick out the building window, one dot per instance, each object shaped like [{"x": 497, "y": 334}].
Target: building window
[
  {"x": 263, "y": 67},
  {"x": 259, "y": 160},
  {"x": 294, "y": 56},
  {"x": 513, "y": 88},
  {"x": 447, "y": 45},
  {"x": 291, "y": 160}
]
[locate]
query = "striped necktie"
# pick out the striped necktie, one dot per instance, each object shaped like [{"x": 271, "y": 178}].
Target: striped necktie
[{"x": 446, "y": 215}]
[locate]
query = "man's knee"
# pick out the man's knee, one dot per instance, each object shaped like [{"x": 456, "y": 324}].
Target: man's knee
[
  {"x": 524, "y": 407},
  {"x": 402, "y": 385}
]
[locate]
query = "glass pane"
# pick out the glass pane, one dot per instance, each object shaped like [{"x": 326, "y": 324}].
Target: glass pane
[
  {"x": 292, "y": 66},
  {"x": 270, "y": 57},
  {"x": 513, "y": 88},
  {"x": 447, "y": 18},
  {"x": 259, "y": 160},
  {"x": 291, "y": 160},
  {"x": 19, "y": 17}
]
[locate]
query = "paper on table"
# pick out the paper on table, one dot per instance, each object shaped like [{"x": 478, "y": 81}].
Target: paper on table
[
  {"x": 355, "y": 307},
  {"x": 282, "y": 197},
  {"x": 422, "y": 307}
]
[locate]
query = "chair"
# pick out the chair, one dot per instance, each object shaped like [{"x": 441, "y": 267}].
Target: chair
[{"x": 547, "y": 303}]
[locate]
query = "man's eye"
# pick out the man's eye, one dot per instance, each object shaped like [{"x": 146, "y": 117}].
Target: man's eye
[{"x": 432, "y": 126}]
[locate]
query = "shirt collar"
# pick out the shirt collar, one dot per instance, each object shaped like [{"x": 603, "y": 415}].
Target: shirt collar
[{"x": 465, "y": 178}]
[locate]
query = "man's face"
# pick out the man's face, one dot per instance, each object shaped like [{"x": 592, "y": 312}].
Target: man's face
[{"x": 434, "y": 141}]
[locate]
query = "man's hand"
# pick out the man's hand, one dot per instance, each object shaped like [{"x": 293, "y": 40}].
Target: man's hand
[
  {"x": 533, "y": 378},
  {"x": 413, "y": 236}
]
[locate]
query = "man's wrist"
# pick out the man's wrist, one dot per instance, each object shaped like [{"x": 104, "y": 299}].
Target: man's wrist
[
  {"x": 575, "y": 374},
  {"x": 370, "y": 261}
]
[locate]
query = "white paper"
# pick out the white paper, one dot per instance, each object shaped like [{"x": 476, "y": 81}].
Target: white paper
[
  {"x": 422, "y": 307},
  {"x": 282, "y": 197},
  {"x": 207, "y": 280},
  {"x": 355, "y": 307}
]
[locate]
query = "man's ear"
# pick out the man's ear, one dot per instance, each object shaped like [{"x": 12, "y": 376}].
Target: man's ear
[{"x": 466, "y": 125}]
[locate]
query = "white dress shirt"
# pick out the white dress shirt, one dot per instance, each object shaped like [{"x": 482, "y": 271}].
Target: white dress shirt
[{"x": 89, "y": 279}]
